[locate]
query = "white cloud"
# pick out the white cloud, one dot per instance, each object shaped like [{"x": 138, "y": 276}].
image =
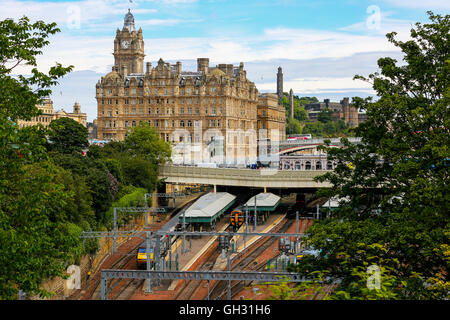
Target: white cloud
[
  {"x": 320, "y": 85},
  {"x": 414, "y": 4}
]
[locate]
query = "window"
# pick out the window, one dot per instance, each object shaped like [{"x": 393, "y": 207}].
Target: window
[
  {"x": 181, "y": 123},
  {"x": 189, "y": 123},
  {"x": 181, "y": 110},
  {"x": 297, "y": 165},
  {"x": 329, "y": 165},
  {"x": 318, "y": 165},
  {"x": 308, "y": 165},
  {"x": 133, "y": 123},
  {"x": 213, "y": 110}
]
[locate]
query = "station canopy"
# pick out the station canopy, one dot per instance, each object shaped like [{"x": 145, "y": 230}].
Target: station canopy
[
  {"x": 264, "y": 202},
  {"x": 209, "y": 207}
]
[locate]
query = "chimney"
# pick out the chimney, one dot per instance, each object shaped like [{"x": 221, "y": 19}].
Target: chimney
[
  {"x": 149, "y": 68},
  {"x": 203, "y": 65},
  {"x": 178, "y": 67}
]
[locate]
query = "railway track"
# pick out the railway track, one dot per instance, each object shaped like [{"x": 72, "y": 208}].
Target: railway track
[
  {"x": 190, "y": 287},
  {"x": 247, "y": 261},
  {"x": 122, "y": 289}
]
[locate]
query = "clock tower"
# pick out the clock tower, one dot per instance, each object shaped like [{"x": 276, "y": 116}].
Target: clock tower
[{"x": 129, "y": 48}]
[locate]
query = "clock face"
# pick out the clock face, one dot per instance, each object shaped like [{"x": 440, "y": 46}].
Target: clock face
[{"x": 125, "y": 44}]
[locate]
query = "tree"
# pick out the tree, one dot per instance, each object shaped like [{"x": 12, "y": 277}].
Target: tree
[
  {"x": 325, "y": 115},
  {"x": 314, "y": 128},
  {"x": 396, "y": 180},
  {"x": 144, "y": 141},
  {"x": 300, "y": 113},
  {"x": 293, "y": 126},
  {"x": 67, "y": 136},
  {"x": 34, "y": 242}
]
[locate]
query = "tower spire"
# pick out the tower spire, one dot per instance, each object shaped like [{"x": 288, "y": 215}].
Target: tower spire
[{"x": 128, "y": 21}]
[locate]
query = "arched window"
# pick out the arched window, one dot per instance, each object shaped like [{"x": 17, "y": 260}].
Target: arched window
[
  {"x": 297, "y": 165},
  {"x": 329, "y": 165},
  {"x": 308, "y": 165},
  {"x": 287, "y": 166},
  {"x": 318, "y": 165}
]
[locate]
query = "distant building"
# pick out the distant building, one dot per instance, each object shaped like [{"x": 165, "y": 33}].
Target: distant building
[
  {"x": 213, "y": 107},
  {"x": 271, "y": 117},
  {"x": 48, "y": 115},
  {"x": 92, "y": 130},
  {"x": 342, "y": 110},
  {"x": 76, "y": 115}
]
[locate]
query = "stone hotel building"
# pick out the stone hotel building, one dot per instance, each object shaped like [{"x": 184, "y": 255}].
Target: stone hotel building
[{"x": 216, "y": 110}]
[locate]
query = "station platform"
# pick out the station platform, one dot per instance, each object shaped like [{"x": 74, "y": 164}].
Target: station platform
[
  {"x": 241, "y": 243},
  {"x": 199, "y": 246}
]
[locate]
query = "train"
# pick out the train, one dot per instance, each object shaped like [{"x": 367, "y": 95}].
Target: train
[{"x": 141, "y": 258}]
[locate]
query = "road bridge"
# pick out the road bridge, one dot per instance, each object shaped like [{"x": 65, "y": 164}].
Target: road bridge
[
  {"x": 261, "y": 178},
  {"x": 289, "y": 146}
]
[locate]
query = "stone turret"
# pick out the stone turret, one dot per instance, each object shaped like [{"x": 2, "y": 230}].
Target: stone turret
[{"x": 203, "y": 65}]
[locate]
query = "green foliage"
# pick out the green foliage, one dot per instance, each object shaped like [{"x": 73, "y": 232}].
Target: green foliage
[
  {"x": 144, "y": 141},
  {"x": 397, "y": 183},
  {"x": 325, "y": 115},
  {"x": 300, "y": 113},
  {"x": 67, "y": 136},
  {"x": 133, "y": 198},
  {"x": 293, "y": 126},
  {"x": 36, "y": 238}
]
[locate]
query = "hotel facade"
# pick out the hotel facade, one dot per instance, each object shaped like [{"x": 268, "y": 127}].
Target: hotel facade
[{"x": 211, "y": 112}]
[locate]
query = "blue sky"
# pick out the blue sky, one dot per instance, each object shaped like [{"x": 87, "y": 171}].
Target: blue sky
[{"x": 320, "y": 44}]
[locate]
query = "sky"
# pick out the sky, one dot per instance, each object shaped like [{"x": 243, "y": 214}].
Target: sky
[{"x": 320, "y": 44}]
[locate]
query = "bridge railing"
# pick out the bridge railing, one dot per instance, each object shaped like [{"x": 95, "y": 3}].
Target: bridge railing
[
  {"x": 319, "y": 141},
  {"x": 239, "y": 174}
]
